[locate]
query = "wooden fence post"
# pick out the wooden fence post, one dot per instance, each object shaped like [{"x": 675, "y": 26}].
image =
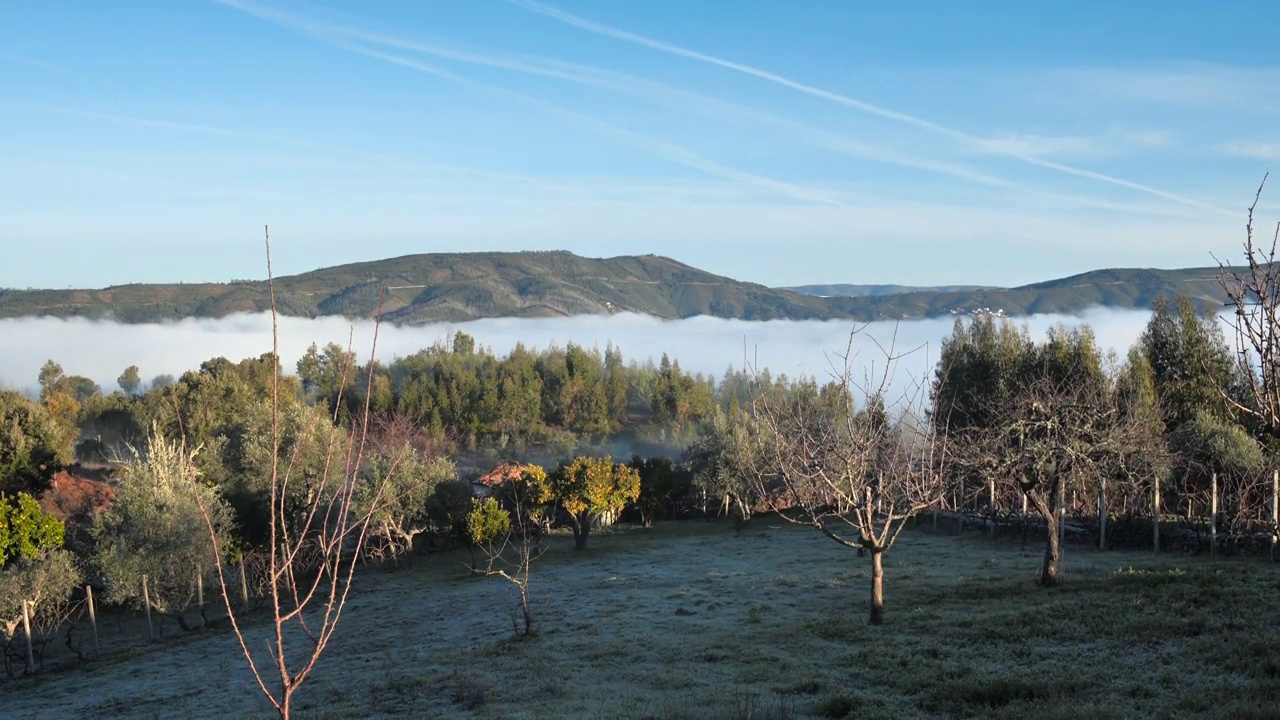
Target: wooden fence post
[
  {"x": 1155, "y": 516},
  {"x": 146, "y": 603},
  {"x": 1024, "y": 521},
  {"x": 244, "y": 586},
  {"x": 93, "y": 619},
  {"x": 200, "y": 588},
  {"x": 1213, "y": 515},
  {"x": 1103, "y": 512},
  {"x": 26, "y": 630},
  {"x": 1062, "y": 518},
  {"x": 991, "y": 499},
  {"x": 1275, "y": 512}
]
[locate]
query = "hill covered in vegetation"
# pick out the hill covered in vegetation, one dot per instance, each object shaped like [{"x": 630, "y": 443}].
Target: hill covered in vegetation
[
  {"x": 455, "y": 287},
  {"x": 1121, "y": 288},
  {"x": 450, "y": 287},
  {"x": 849, "y": 290}
]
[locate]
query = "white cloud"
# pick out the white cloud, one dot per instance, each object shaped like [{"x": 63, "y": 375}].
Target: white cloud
[
  {"x": 1196, "y": 84},
  {"x": 1253, "y": 150},
  {"x": 101, "y": 350},
  {"x": 1041, "y": 145},
  {"x": 1073, "y": 146}
]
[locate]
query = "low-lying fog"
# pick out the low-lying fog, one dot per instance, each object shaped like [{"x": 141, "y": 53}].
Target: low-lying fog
[{"x": 101, "y": 350}]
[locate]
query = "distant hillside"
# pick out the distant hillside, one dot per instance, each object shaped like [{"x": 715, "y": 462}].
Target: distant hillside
[
  {"x": 448, "y": 287},
  {"x": 840, "y": 290},
  {"x": 1115, "y": 288},
  {"x": 454, "y": 287}
]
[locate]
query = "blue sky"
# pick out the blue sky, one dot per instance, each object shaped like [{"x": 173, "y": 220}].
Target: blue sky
[{"x": 779, "y": 142}]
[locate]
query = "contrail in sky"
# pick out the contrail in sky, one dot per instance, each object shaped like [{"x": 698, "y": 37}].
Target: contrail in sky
[
  {"x": 325, "y": 32},
  {"x": 894, "y": 115}
]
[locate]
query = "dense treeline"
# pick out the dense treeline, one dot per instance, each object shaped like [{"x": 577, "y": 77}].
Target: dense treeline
[
  {"x": 1013, "y": 425},
  {"x": 1092, "y": 437},
  {"x": 524, "y": 397}
]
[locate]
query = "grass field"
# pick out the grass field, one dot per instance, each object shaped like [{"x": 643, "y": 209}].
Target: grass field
[{"x": 690, "y": 620}]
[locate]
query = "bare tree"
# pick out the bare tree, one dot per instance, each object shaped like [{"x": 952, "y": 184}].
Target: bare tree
[
  {"x": 327, "y": 533},
  {"x": 511, "y": 541},
  {"x": 1254, "y": 292},
  {"x": 857, "y": 476},
  {"x": 1060, "y": 436}
]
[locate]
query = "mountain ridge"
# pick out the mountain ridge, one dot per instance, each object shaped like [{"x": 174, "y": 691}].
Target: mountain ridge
[{"x": 455, "y": 287}]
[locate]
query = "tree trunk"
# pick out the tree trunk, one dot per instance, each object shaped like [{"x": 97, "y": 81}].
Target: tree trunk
[
  {"x": 581, "y": 528},
  {"x": 182, "y": 621},
  {"x": 1039, "y": 499},
  {"x": 525, "y": 608},
  {"x": 877, "y": 586},
  {"x": 1052, "y": 553}
]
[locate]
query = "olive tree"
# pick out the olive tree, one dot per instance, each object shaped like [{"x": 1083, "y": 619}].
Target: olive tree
[
  {"x": 723, "y": 455},
  {"x": 45, "y": 582},
  {"x": 155, "y": 529},
  {"x": 408, "y": 483}
]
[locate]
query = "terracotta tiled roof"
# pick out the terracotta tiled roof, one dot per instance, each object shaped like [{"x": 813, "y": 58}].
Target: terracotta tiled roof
[
  {"x": 502, "y": 473},
  {"x": 75, "y": 494}
]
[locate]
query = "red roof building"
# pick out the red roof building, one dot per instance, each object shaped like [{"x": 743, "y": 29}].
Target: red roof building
[{"x": 502, "y": 473}]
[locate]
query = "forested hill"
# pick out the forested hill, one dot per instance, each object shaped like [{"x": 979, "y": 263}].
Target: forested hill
[
  {"x": 849, "y": 290},
  {"x": 444, "y": 287},
  {"x": 455, "y": 287},
  {"x": 1120, "y": 288}
]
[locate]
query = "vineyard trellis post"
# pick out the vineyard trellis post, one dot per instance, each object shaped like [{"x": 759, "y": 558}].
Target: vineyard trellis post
[
  {"x": 93, "y": 619},
  {"x": 1275, "y": 512},
  {"x": 1213, "y": 515},
  {"x": 26, "y": 630},
  {"x": 1103, "y": 511},
  {"x": 1155, "y": 516},
  {"x": 146, "y": 603}
]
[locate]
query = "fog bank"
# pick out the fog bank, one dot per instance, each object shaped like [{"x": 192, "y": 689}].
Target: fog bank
[{"x": 101, "y": 350}]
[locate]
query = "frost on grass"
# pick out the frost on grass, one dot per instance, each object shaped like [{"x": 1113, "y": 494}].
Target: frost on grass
[{"x": 974, "y": 636}]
